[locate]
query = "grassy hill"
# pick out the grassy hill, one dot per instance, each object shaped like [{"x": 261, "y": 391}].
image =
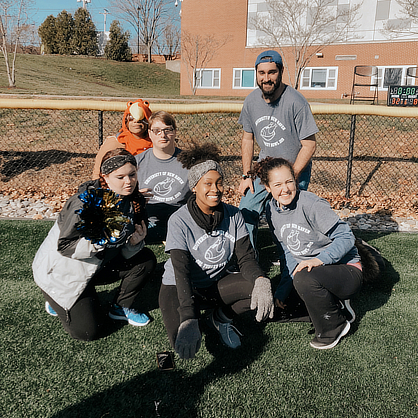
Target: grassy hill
[{"x": 87, "y": 76}]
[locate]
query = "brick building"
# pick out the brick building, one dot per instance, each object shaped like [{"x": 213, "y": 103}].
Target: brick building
[{"x": 328, "y": 75}]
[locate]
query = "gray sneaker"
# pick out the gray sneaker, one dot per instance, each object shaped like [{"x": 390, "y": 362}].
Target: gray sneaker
[
  {"x": 229, "y": 334},
  {"x": 316, "y": 343}
]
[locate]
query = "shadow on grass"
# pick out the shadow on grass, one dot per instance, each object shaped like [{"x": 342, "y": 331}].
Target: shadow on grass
[
  {"x": 374, "y": 295},
  {"x": 175, "y": 393}
]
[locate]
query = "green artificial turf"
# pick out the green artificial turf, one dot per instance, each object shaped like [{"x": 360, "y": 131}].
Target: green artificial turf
[{"x": 372, "y": 373}]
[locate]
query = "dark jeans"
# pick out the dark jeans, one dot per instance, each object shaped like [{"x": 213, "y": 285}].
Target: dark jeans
[
  {"x": 85, "y": 320},
  {"x": 321, "y": 289},
  {"x": 158, "y": 215},
  {"x": 232, "y": 293}
]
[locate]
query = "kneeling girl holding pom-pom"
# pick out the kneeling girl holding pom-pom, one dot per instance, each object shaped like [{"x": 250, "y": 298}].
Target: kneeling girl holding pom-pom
[{"x": 97, "y": 239}]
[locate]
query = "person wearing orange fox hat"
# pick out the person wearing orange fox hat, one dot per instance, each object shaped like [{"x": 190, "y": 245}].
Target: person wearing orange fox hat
[{"x": 133, "y": 136}]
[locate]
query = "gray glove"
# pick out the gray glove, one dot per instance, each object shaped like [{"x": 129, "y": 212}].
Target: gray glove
[
  {"x": 262, "y": 299},
  {"x": 188, "y": 339}
]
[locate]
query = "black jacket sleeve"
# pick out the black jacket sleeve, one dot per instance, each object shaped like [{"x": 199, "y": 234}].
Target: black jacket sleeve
[
  {"x": 181, "y": 260},
  {"x": 247, "y": 262}
]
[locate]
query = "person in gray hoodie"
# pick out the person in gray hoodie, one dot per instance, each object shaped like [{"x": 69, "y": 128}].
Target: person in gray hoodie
[
  {"x": 68, "y": 265},
  {"x": 320, "y": 258}
]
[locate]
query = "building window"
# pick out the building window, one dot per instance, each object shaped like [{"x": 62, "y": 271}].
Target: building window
[
  {"x": 208, "y": 78},
  {"x": 244, "y": 78},
  {"x": 319, "y": 78},
  {"x": 393, "y": 76},
  {"x": 382, "y": 10}
]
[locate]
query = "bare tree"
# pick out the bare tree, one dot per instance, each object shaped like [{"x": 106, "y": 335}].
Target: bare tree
[
  {"x": 146, "y": 16},
  {"x": 29, "y": 39},
  {"x": 13, "y": 19},
  {"x": 305, "y": 26},
  {"x": 168, "y": 44},
  {"x": 197, "y": 51},
  {"x": 402, "y": 26}
]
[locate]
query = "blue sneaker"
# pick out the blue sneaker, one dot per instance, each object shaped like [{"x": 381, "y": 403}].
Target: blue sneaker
[
  {"x": 131, "y": 315},
  {"x": 49, "y": 309}
]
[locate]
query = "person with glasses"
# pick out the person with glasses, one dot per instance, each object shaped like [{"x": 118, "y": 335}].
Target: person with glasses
[
  {"x": 133, "y": 136},
  {"x": 161, "y": 177}
]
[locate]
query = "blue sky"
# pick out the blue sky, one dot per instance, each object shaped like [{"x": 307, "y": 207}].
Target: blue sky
[{"x": 43, "y": 8}]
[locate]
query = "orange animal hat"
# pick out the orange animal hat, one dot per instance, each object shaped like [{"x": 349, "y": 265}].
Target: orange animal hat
[{"x": 139, "y": 109}]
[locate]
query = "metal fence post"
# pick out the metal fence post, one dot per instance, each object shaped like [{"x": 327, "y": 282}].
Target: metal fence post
[
  {"x": 100, "y": 120},
  {"x": 350, "y": 156}
]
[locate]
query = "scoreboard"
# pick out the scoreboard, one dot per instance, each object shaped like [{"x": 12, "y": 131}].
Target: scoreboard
[{"x": 402, "y": 96}]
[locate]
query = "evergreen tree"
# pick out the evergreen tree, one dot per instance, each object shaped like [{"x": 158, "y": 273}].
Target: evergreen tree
[
  {"x": 64, "y": 24},
  {"x": 48, "y": 34},
  {"x": 117, "y": 47},
  {"x": 84, "y": 36}
]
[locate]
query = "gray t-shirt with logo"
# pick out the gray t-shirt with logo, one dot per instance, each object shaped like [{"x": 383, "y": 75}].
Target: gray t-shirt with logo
[
  {"x": 210, "y": 252},
  {"x": 280, "y": 126},
  {"x": 304, "y": 228},
  {"x": 166, "y": 178}
]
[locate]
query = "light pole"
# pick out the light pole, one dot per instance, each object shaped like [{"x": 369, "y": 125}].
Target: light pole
[
  {"x": 138, "y": 27},
  {"x": 84, "y": 3}
]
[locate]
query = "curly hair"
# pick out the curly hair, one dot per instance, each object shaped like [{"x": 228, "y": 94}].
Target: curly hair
[
  {"x": 137, "y": 199},
  {"x": 199, "y": 154},
  {"x": 263, "y": 168}
]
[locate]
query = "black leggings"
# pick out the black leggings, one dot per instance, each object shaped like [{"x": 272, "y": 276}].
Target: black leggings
[
  {"x": 84, "y": 321},
  {"x": 232, "y": 293},
  {"x": 321, "y": 289}
]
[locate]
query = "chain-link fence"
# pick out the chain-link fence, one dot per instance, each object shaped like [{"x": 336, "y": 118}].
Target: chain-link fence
[{"x": 365, "y": 161}]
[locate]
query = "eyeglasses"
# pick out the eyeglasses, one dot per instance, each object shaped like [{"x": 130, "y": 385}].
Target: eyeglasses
[
  {"x": 166, "y": 131},
  {"x": 131, "y": 118}
]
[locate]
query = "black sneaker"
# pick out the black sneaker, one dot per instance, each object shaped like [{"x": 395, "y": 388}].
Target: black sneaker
[
  {"x": 316, "y": 343},
  {"x": 233, "y": 269},
  {"x": 347, "y": 310}
]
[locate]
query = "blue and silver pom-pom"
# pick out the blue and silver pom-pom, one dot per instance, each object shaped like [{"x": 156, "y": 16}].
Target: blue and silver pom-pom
[{"x": 101, "y": 219}]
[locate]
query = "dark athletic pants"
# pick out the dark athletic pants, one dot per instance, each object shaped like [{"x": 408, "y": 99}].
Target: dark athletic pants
[
  {"x": 232, "y": 293},
  {"x": 321, "y": 289},
  {"x": 84, "y": 321}
]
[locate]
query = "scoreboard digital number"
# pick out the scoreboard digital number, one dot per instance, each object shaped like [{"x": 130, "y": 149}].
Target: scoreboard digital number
[{"x": 402, "y": 96}]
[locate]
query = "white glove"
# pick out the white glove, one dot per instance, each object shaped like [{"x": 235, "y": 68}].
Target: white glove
[
  {"x": 188, "y": 339},
  {"x": 262, "y": 299}
]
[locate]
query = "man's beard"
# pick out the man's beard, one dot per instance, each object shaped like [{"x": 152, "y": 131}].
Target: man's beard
[{"x": 269, "y": 93}]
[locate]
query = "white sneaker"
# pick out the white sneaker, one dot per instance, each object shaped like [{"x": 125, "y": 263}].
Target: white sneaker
[{"x": 229, "y": 334}]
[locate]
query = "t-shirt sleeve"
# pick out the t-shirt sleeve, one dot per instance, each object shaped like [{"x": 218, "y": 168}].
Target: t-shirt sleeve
[
  {"x": 242, "y": 230},
  {"x": 176, "y": 236},
  {"x": 305, "y": 122},
  {"x": 244, "y": 119}
]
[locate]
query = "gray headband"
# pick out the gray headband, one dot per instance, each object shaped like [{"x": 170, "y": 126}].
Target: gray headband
[
  {"x": 199, "y": 170},
  {"x": 118, "y": 161}
]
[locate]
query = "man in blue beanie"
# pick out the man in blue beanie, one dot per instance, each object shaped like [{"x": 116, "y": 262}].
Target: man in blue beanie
[{"x": 279, "y": 118}]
